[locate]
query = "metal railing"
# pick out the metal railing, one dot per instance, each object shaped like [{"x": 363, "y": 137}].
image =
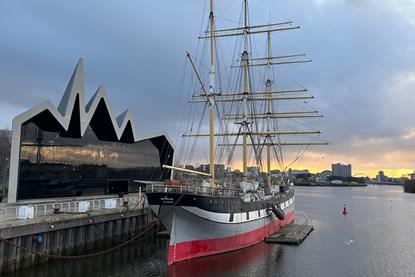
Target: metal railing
[
  {"x": 135, "y": 201},
  {"x": 193, "y": 189},
  {"x": 203, "y": 190}
]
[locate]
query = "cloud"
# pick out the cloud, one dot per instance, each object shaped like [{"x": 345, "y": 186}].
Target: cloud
[{"x": 362, "y": 75}]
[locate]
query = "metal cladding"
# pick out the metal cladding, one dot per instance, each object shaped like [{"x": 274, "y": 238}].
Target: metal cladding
[
  {"x": 71, "y": 118},
  {"x": 74, "y": 92}
]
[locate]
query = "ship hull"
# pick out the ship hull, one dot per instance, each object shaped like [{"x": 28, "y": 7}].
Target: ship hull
[{"x": 197, "y": 232}]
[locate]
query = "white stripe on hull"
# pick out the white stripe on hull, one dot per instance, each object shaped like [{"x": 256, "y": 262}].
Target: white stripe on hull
[{"x": 237, "y": 217}]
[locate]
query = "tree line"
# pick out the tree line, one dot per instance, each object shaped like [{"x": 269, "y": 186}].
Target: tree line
[{"x": 5, "y": 146}]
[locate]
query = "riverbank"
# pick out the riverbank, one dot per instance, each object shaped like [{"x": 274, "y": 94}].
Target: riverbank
[
  {"x": 65, "y": 230},
  {"x": 314, "y": 184}
]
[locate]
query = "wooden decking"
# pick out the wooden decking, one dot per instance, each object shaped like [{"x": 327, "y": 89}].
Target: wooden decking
[{"x": 290, "y": 234}]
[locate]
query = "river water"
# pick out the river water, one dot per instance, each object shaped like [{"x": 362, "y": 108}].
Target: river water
[{"x": 376, "y": 238}]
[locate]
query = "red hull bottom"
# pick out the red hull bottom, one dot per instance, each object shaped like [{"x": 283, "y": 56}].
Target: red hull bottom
[{"x": 199, "y": 248}]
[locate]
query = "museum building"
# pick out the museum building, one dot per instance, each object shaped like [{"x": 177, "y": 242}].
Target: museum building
[{"x": 77, "y": 149}]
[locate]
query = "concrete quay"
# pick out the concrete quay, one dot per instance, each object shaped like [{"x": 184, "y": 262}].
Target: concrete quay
[{"x": 70, "y": 234}]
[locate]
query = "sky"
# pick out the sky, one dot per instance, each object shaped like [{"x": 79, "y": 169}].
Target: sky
[{"x": 362, "y": 74}]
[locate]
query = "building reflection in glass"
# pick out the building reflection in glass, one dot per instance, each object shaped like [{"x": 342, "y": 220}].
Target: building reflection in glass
[{"x": 55, "y": 163}]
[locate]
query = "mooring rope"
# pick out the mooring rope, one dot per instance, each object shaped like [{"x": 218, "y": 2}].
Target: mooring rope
[{"x": 96, "y": 224}]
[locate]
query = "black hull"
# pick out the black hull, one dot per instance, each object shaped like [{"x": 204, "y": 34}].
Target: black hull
[{"x": 217, "y": 204}]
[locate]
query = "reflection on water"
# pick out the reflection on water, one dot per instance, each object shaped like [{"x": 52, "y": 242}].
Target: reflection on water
[
  {"x": 150, "y": 259},
  {"x": 376, "y": 238}
]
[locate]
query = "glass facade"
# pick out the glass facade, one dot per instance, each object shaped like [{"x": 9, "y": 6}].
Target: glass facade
[{"x": 57, "y": 163}]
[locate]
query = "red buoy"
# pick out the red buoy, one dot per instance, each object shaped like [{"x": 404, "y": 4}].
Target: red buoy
[{"x": 344, "y": 210}]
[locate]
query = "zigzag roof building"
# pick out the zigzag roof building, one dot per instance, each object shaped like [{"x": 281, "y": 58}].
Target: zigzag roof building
[{"x": 43, "y": 134}]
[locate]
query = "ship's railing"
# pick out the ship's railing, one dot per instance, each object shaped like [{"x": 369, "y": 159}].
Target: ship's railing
[
  {"x": 203, "y": 190},
  {"x": 193, "y": 189}
]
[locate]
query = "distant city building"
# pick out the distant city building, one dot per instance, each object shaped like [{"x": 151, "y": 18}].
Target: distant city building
[
  {"x": 189, "y": 166},
  {"x": 275, "y": 172},
  {"x": 324, "y": 176},
  {"x": 253, "y": 171},
  {"x": 295, "y": 172},
  {"x": 381, "y": 177},
  {"x": 400, "y": 180},
  {"x": 342, "y": 170},
  {"x": 204, "y": 168},
  {"x": 412, "y": 176},
  {"x": 219, "y": 169}
]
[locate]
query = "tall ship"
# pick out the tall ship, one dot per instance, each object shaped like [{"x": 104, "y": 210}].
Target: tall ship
[{"x": 210, "y": 210}]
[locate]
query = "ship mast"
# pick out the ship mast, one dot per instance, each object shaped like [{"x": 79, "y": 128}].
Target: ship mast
[
  {"x": 245, "y": 122},
  {"x": 268, "y": 85},
  {"x": 211, "y": 100},
  {"x": 245, "y": 117}
]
